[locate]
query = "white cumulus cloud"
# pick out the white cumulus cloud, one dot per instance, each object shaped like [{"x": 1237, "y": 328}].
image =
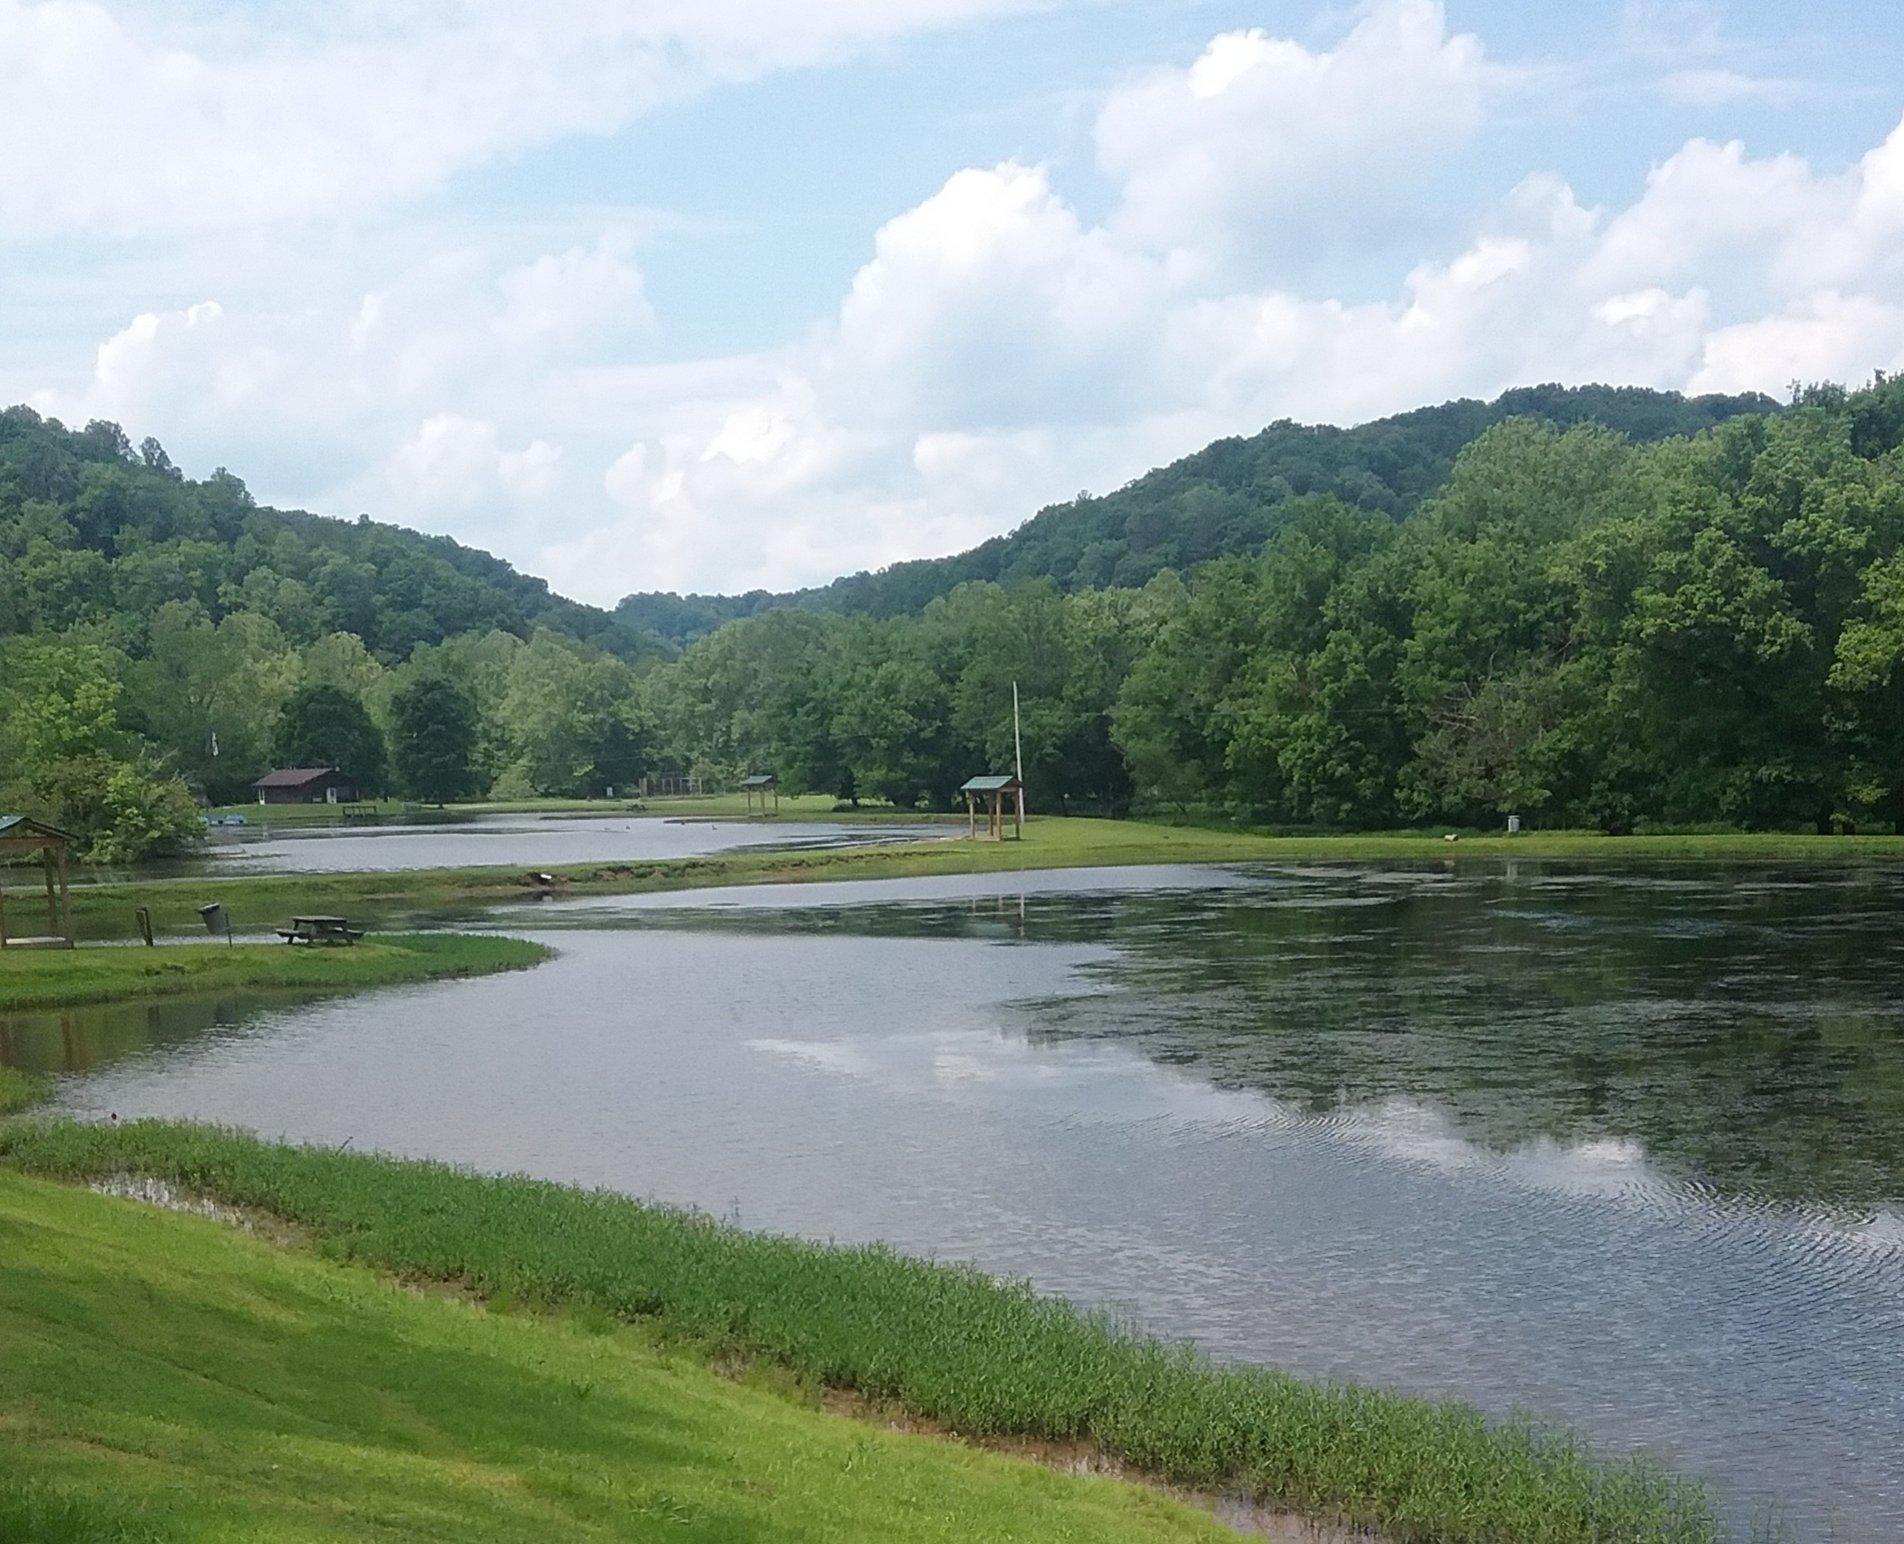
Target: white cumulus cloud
[{"x": 1000, "y": 347}]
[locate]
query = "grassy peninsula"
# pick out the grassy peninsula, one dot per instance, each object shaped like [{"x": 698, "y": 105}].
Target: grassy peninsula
[
  {"x": 275, "y": 1405},
  {"x": 106, "y": 910},
  {"x": 60, "y": 978}
]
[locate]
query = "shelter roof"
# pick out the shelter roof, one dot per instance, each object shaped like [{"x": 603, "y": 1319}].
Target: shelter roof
[
  {"x": 17, "y": 826},
  {"x": 295, "y": 777}
]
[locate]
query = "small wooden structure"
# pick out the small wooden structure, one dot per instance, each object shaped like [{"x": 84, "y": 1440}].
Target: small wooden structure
[
  {"x": 23, "y": 837},
  {"x": 763, "y": 784},
  {"x": 306, "y": 785},
  {"x": 320, "y": 930},
  {"x": 993, "y": 791}
]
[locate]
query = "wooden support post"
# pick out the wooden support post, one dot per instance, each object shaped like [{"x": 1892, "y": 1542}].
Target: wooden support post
[
  {"x": 66, "y": 900},
  {"x": 971, "y": 814}
]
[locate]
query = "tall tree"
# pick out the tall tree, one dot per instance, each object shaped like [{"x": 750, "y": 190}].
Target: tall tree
[
  {"x": 326, "y": 726},
  {"x": 433, "y": 740}
]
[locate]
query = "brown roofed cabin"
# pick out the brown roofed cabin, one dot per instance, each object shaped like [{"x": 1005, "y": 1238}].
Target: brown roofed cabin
[
  {"x": 762, "y": 783},
  {"x": 994, "y": 791},
  {"x": 21, "y": 837},
  {"x": 306, "y": 785}
]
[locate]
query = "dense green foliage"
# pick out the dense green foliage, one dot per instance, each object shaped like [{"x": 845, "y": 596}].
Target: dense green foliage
[
  {"x": 984, "y": 1357},
  {"x": 163, "y": 639},
  {"x": 1575, "y": 628},
  {"x": 433, "y": 730},
  {"x": 1227, "y": 499},
  {"x": 322, "y": 725},
  {"x": 1573, "y": 624},
  {"x": 171, "y": 1378},
  {"x": 96, "y": 534},
  {"x": 67, "y": 757}
]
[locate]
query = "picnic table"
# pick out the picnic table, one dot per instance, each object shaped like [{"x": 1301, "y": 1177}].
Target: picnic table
[{"x": 320, "y": 930}]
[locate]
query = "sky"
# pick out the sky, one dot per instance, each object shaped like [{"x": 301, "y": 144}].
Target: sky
[{"x": 722, "y": 294}]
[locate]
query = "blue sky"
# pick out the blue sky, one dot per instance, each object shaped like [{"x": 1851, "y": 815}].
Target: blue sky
[{"x": 716, "y": 293}]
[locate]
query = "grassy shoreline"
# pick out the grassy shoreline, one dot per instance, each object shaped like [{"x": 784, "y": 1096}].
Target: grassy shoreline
[
  {"x": 106, "y": 910},
  {"x": 982, "y": 1358},
  {"x": 168, "y": 1377},
  {"x": 70, "y": 977}
]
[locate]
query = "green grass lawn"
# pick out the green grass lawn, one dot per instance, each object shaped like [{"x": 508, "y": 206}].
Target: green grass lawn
[
  {"x": 981, "y": 1357},
  {"x": 169, "y": 1377},
  {"x": 58, "y": 978}
]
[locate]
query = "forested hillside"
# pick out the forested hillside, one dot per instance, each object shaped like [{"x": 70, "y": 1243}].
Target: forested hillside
[
  {"x": 1576, "y": 628},
  {"x": 1573, "y": 626},
  {"x": 162, "y": 638},
  {"x": 1225, "y": 499},
  {"x": 96, "y": 534}
]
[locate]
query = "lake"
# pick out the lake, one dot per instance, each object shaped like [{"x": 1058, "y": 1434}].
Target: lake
[
  {"x": 1622, "y": 1147},
  {"x": 526, "y": 841}
]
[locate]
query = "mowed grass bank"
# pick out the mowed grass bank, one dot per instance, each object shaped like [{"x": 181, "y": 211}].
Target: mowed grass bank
[
  {"x": 169, "y": 1377},
  {"x": 984, "y": 1358},
  {"x": 106, "y": 911},
  {"x": 58, "y": 978}
]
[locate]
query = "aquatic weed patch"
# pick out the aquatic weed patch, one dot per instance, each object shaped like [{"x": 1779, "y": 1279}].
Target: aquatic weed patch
[
  {"x": 983, "y": 1357},
  {"x": 19, "y": 1090}
]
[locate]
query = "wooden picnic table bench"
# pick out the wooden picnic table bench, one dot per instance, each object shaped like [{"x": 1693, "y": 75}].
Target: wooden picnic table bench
[{"x": 320, "y": 930}]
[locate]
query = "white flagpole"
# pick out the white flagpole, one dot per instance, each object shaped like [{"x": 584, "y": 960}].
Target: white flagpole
[
  {"x": 1018, "y": 760},
  {"x": 1018, "y": 746}
]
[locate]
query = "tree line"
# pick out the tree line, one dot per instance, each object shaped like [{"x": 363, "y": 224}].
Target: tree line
[{"x": 1576, "y": 627}]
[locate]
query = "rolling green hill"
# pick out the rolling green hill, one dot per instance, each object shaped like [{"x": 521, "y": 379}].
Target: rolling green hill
[
  {"x": 1226, "y": 498},
  {"x": 97, "y": 534}
]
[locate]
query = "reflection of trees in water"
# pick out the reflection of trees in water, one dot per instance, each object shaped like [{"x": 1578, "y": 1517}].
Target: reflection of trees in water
[
  {"x": 1746, "y": 1033},
  {"x": 1742, "y": 1024},
  {"x": 82, "y": 1038}
]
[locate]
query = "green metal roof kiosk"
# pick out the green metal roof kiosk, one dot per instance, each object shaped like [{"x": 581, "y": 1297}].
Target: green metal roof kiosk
[
  {"x": 993, "y": 791},
  {"x": 763, "y": 784}
]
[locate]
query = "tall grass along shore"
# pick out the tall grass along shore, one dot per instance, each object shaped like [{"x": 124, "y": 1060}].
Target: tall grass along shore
[
  {"x": 19, "y": 1090},
  {"x": 166, "y": 1377},
  {"x": 982, "y": 1358}
]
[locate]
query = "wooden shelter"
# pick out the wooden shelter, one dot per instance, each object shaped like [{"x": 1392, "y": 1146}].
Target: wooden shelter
[
  {"x": 993, "y": 791},
  {"x": 306, "y": 785},
  {"x": 763, "y": 784},
  {"x": 22, "y": 837}
]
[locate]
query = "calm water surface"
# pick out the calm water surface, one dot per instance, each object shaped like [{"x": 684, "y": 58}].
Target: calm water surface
[
  {"x": 532, "y": 841},
  {"x": 1624, "y": 1148}
]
